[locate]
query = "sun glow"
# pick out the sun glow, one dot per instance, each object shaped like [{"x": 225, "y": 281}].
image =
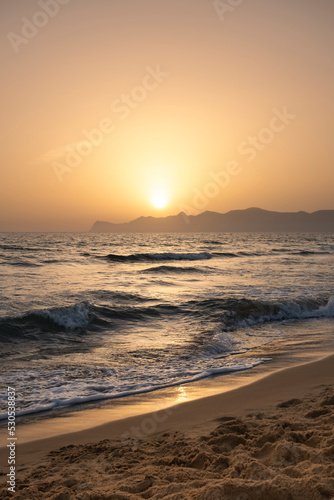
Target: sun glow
[{"x": 159, "y": 199}]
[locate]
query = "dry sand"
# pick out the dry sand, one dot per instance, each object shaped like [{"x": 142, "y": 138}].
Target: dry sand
[{"x": 270, "y": 440}]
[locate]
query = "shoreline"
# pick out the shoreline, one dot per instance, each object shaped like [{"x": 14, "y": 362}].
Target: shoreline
[
  {"x": 191, "y": 416},
  {"x": 315, "y": 343},
  {"x": 115, "y": 408}
]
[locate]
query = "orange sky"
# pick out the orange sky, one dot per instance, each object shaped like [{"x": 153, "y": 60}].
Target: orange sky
[{"x": 107, "y": 104}]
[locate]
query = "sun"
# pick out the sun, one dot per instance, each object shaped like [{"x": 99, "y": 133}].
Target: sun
[{"x": 159, "y": 199}]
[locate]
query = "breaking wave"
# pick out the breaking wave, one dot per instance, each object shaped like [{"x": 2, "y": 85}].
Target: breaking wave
[
  {"x": 231, "y": 313},
  {"x": 245, "y": 312}
]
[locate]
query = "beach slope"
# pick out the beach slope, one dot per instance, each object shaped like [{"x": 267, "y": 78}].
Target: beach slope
[{"x": 270, "y": 439}]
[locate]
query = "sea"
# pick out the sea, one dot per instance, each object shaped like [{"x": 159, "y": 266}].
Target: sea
[{"x": 94, "y": 317}]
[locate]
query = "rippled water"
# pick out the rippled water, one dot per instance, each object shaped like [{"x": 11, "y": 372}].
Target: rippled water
[{"x": 96, "y": 316}]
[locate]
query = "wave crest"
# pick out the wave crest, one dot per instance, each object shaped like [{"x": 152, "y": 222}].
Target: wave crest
[
  {"x": 156, "y": 257},
  {"x": 245, "y": 312},
  {"x": 172, "y": 270}
]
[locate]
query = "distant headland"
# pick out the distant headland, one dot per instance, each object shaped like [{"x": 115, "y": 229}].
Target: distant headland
[{"x": 249, "y": 220}]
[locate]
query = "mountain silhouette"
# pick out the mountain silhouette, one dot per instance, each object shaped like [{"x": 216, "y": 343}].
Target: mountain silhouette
[{"x": 249, "y": 220}]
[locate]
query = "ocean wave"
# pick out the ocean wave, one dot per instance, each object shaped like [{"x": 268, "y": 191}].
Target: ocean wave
[
  {"x": 172, "y": 270},
  {"x": 118, "y": 296},
  {"x": 21, "y": 263},
  {"x": 310, "y": 252},
  {"x": 156, "y": 257},
  {"x": 151, "y": 257},
  {"x": 225, "y": 254},
  {"x": 77, "y": 318},
  {"x": 290, "y": 251},
  {"x": 37, "y": 321},
  {"x": 250, "y": 254},
  {"x": 212, "y": 242},
  {"x": 238, "y": 254},
  {"x": 240, "y": 313},
  {"x": 231, "y": 313},
  {"x": 18, "y": 248},
  {"x": 281, "y": 250}
]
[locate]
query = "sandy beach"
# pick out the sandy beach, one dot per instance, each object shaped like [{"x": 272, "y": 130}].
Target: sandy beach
[{"x": 272, "y": 438}]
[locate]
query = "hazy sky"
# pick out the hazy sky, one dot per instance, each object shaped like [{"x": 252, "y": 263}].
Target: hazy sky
[{"x": 112, "y": 106}]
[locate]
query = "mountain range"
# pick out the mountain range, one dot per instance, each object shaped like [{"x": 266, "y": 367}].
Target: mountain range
[{"x": 249, "y": 220}]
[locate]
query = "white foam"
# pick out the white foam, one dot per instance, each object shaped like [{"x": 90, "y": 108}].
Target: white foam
[
  {"x": 297, "y": 309},
  {"x": 56, "y": 391},
  {"x": 76, "y": 316}
]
